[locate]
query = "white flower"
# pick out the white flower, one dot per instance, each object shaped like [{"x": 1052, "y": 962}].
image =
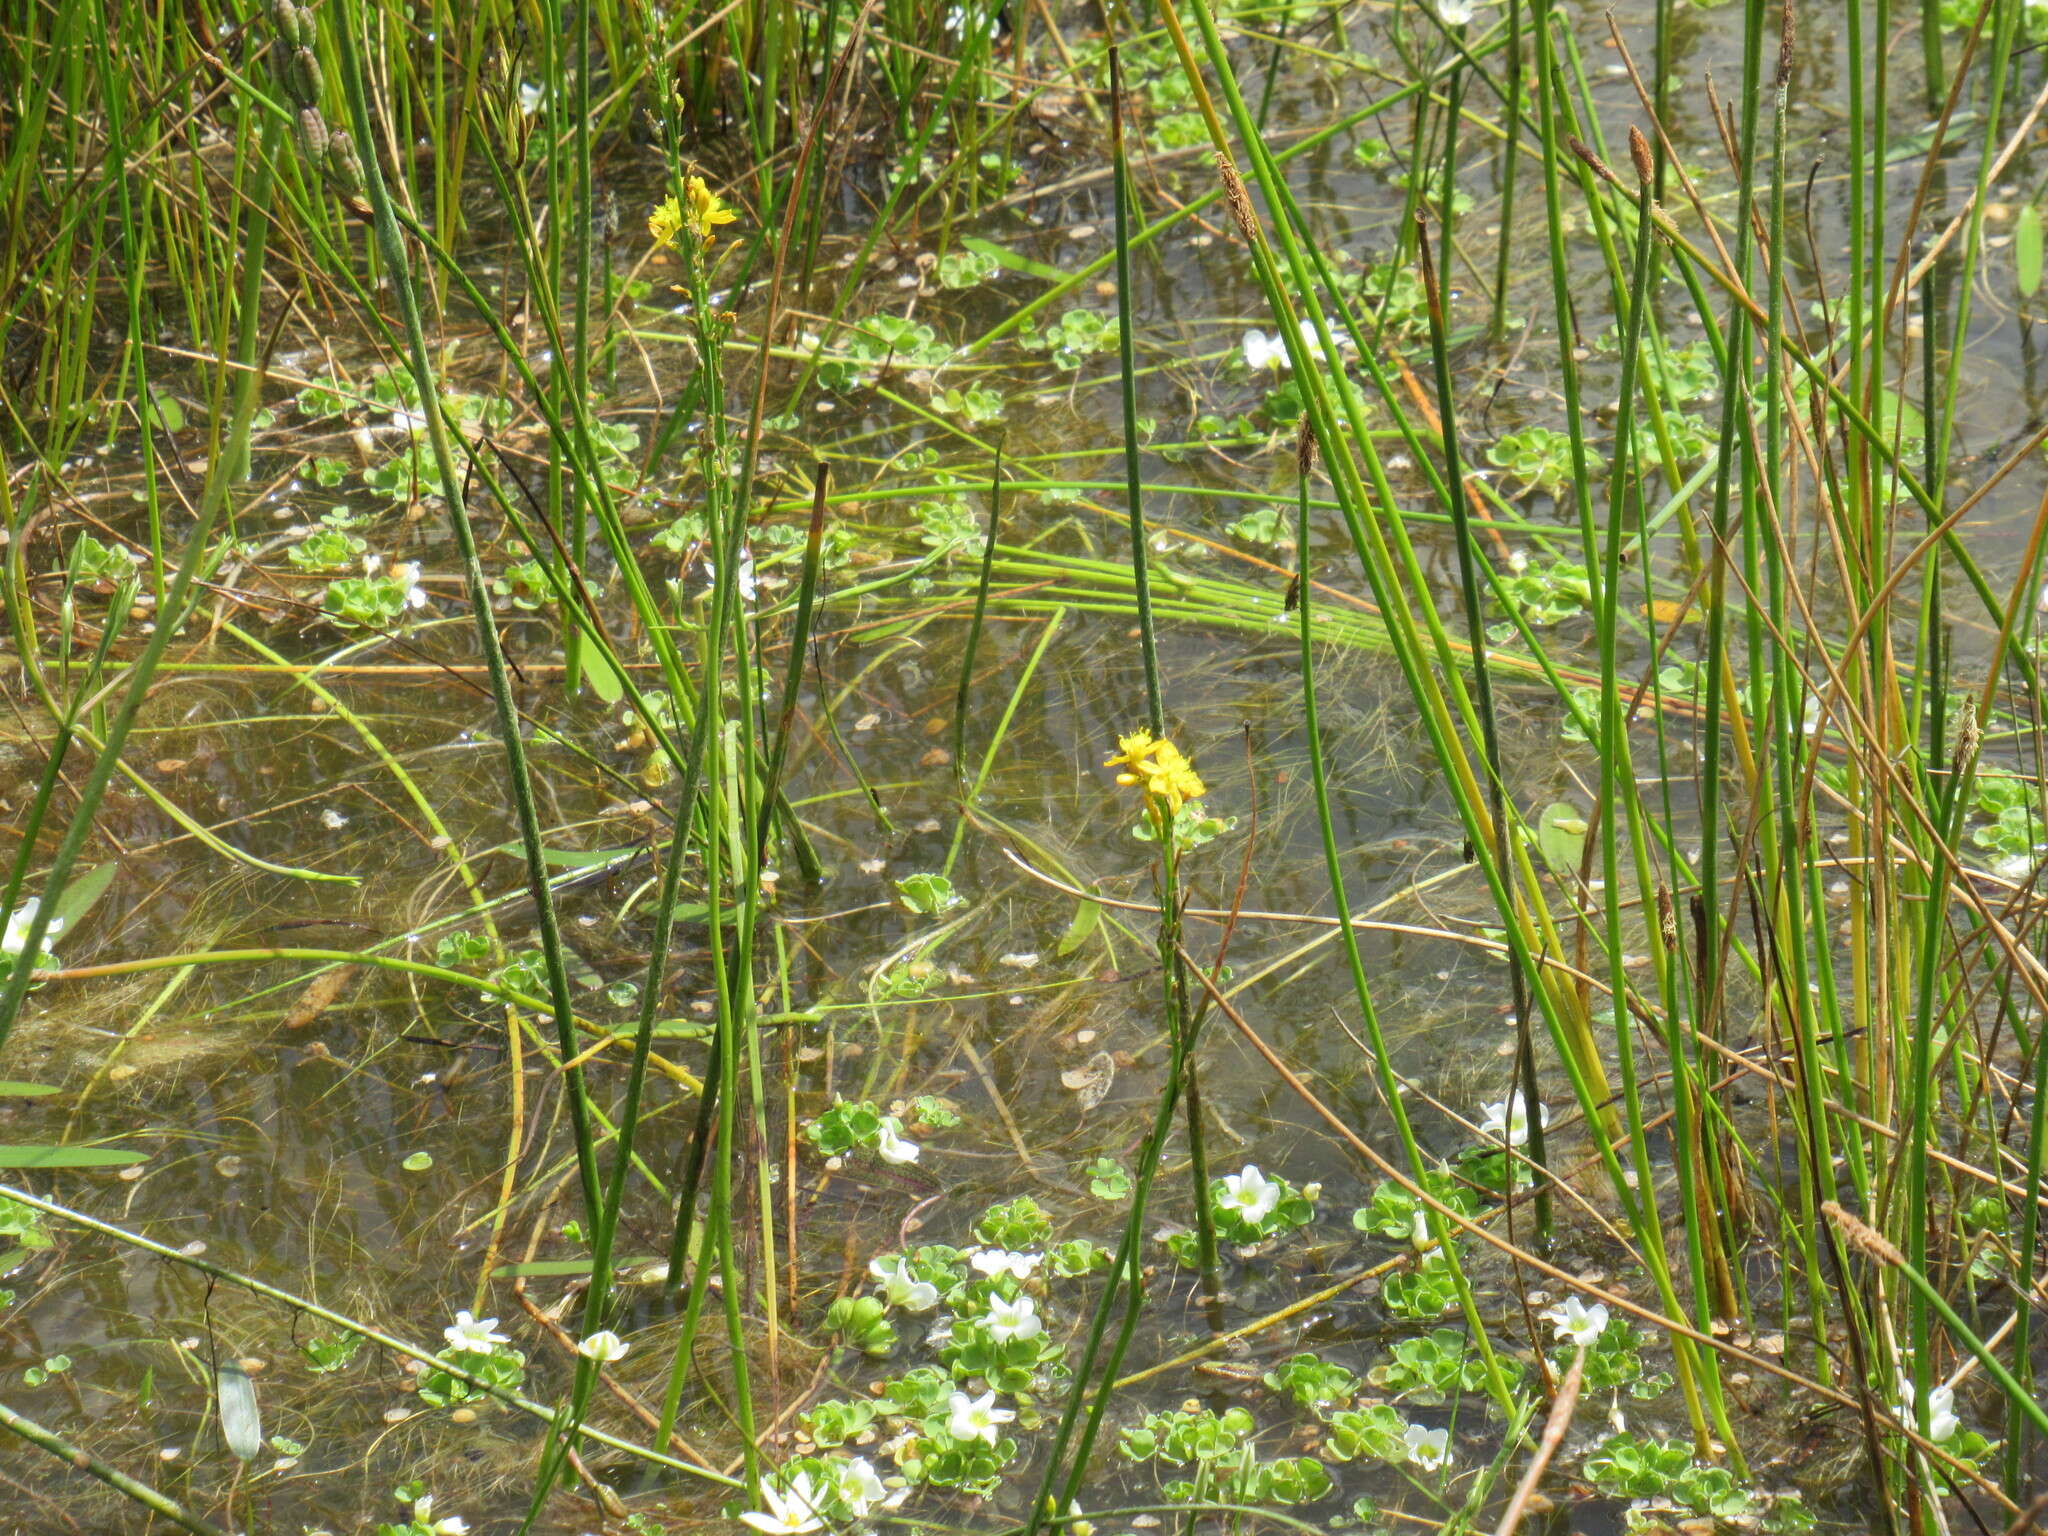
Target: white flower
[
  {"x": 956, "y": 20},
  {"x": 857, "y": 1482},
  {"x": 748, "y": 589},
  {"x": 333, "y": 820},
  {"x": 415, "y": 594},
  {"x": 1312, "y": 343},
  {"x": 976, "y": 1418},
  {"x": 1508, "y": 1120},
  {"x": 15, "y": 939},
  {"x": 1013, "y": 1319},
  {"x": 474, "y": 1334},
  {"x": 1250, "y": 1195},
  {"x": 1577, "y": 1323},
  {"x": 997, "y": 1261},
  {"x": 529, "y": 98},
  {"x": 1942, "y": 1422},
  {"x": 1454, "y": 13},
  {"x": 1263, "y": 353},
  {"x": 790, "y": 1513},
  {"x": 899, "y": 1289},
  {"x": 447, "y": 1525},
  {"x": 603, "y": 1346},
  {"x": 890, "y": 1145},
  {"x": 1419, "y": 1233},
  {"x": 1427, "y": 1448}
]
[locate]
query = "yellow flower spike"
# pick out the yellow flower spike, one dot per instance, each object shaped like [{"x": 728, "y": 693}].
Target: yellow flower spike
[
  {"x": 707, "y": 211},
  {"x": 665, "y": 223}
]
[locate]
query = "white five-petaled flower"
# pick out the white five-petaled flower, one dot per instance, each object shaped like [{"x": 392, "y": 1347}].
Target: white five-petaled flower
[
  {"x": 1577, "y": 1323},
  {"x": 604, "y": 1347},
  {"x": 1013, "y": 1319},
  {"x": 890, "y": 1145},
  {"x": 1249, "y": 1195},
  {"x": 1000, "y": 1261},
  {"x": 1265, "y": 354},
  {"x": 791, "y": 1512},
  {"x": 475, "y": 1334},
  {"x": 976, "y": 1418},
  {"x": 900, "y": 1288},
  {"x": 1508, "y": 1121},
  {"x": 15, "y": 939},
  {"x": 861, "y": 1487},
  {"x": 1427, "y": 1448},
  {"x": 1454, "y": 13}
]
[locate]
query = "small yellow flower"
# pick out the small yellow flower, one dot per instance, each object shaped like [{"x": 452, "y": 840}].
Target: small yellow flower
[
  {"x": 707, "y": 211},
  {"x": 1131, "y": 751},
  {"x": 665, "y": 223},
  {"x": 700, "y": 211},
  {"x": 1158, "y": 767}
]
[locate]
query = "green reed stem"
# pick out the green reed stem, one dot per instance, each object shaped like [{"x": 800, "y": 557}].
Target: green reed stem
[
  {"x": 398, "y": 274},
  {"x": 1391, "y": 1089},
  {"x": 160, "y": 1504},
  {"x": 173, "y": 613}
]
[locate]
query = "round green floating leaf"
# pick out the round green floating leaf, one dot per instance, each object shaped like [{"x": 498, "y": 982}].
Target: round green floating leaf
[{"x": 418, "y": 1162}]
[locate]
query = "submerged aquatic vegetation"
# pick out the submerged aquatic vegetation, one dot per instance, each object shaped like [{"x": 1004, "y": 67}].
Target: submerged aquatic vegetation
[{"x": 593, "y": 728}]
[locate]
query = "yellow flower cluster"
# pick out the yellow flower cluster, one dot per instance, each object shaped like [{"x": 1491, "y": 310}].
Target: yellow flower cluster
[
  {"x": 704, "y": 212},
  {"x": 1158, "y": 766}
]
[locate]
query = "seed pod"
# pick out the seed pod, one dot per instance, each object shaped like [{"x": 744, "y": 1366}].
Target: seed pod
[
  {"x": 284, "y": 20},
  {"x": 1305, "y": 447},
  {"x": 1788, "y": 38},
  {"x": 313, "y": 134},
  {"x": 304, "y": 76},
  {"x": 342, "y": 165}
]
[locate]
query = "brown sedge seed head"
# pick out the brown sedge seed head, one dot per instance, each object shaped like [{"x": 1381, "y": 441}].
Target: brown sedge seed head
[
  {"x": 1639, "y": 151},
  {"x": 1864, "y": 1238},
  {"x": 1239, "y": 199},
  {"x": 1600, "y": 167}
]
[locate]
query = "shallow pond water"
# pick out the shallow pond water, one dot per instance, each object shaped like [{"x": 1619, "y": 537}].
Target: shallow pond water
[{"x": 360, "y": 1137}]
